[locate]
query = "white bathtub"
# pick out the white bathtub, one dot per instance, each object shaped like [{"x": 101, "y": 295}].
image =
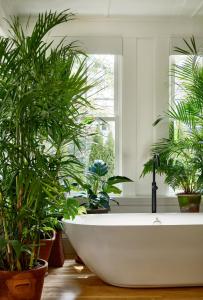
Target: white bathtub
[{"x": 141, "y": 250}]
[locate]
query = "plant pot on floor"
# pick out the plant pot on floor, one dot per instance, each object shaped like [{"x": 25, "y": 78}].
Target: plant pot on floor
[
  {"x": 56, "y": 258},
  {"x": 189, "y": 202},
  {"x": 25, "y": 285},
  {"x": 46, "y": 246}
]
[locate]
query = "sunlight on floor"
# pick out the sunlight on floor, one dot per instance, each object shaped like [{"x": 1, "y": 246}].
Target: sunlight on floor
[
  {"x": 69, "y": 296},
  {"x": 79, "y": 268}
]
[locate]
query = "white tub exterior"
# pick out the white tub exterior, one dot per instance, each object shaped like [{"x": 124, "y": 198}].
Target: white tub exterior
[{"x": 141, "y": 250}]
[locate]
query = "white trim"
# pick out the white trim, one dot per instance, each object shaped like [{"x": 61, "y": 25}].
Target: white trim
[
  {"x": 145, "y": 201},
  {"x": 117, "y": 84},
  {"x": 109, "y": 45},
  {"x": 133, "y": 19},
  {"x": 171, "y": 80}
]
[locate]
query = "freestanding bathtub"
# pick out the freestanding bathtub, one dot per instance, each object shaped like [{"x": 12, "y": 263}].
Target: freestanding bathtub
[{"x": 141, "y": 249}]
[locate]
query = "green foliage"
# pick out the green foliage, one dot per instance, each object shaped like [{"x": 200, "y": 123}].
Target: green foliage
[
  {"x": 103, "y": 150},
  {"x": 181, "y": 155},
  {"x": 42, "y": 109},
  {"x": 97, "y": 188}
]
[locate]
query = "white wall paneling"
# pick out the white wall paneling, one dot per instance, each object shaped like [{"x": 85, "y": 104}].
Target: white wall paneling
[
  {"x": 145, "y": 98},
  {"x": 128, "y": 142}
]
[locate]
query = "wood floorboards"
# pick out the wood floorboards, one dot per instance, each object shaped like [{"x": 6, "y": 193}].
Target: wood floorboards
[{"x": 75, "y": 282}]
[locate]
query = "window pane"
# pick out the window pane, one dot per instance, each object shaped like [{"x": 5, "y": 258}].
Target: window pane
[
  {"x": 102, "y": 145},
  {"x": 101, "y": 69},
  {"x": 99, "y": 145},
  {"x": 178, "y": 90}
]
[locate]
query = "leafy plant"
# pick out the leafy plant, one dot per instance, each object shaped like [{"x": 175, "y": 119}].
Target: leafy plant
[
  {"x": 181, "y": 154},
  {"x": 42, "y": 108},
  {"x": 97, "y": 188}
]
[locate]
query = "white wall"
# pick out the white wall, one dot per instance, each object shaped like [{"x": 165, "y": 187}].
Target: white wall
[
  {"x": 3, "y": 17},
  {"x": 145, "y": 83}
]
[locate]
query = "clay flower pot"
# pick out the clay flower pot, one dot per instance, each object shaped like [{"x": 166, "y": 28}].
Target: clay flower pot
[
  {"x": 25, "y": 285},
  {"x": 189, "y": 202},
  {"x": 46, "y": 246},
  {"x": 56, "y": 258}
]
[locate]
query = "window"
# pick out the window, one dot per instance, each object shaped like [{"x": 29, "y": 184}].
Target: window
[
  {"x": 104, "y": 98},
  {"x": 178, "y": 92}
]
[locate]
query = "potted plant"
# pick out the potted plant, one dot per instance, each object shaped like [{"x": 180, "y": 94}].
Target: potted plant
[
  {"x": 181, "y": 154},
  {"x": 182, "y": 175},
  {"x": 97, "y": 188},
  {"x": 42, "y": 98}
]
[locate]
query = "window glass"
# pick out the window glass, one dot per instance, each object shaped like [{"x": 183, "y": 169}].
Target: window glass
[{"x": 100, "y": 141}]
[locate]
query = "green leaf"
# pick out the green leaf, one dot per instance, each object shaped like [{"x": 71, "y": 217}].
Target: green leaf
[
  {"x": 3, "y": 243},
  {"x": 112, "y": 189},
  {"x": 118, "y": 179},
  {"x": 99, "y": 167},
  {"x": 17, "y": 246},
  {"x": 158, "y": 120}
]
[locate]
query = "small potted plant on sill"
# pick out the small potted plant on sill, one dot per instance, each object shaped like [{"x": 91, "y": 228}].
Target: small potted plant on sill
[{"x": 98, "y": 187}]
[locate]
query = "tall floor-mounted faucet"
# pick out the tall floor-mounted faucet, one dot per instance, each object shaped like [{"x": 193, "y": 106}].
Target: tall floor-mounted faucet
[{"x": 156, "y": 164}]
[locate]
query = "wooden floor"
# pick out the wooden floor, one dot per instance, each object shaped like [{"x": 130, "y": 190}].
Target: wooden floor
[{"x": 74, "y": 281}]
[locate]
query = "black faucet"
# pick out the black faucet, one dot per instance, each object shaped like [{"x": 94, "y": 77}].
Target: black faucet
[{"x": 156, "y": 164}]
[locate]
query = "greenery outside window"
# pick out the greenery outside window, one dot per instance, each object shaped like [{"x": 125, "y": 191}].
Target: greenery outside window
[{"x": 102, "y": 142}]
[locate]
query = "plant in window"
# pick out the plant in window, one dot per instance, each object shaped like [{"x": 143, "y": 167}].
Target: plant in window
[
  {"x": 42, "y": 102},
  {"x": 103, "y": 150},
  {"x": 181, "y": 155},
  {"x": 98, "y": 188}
]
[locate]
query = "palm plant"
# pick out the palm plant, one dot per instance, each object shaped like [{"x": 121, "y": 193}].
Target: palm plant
[
  {"x": 42, "y": 109},
  {"x": 181, "y": 154}
]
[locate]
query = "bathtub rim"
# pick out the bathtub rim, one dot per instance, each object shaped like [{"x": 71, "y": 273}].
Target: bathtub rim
[{"x": 78, "y": 221}]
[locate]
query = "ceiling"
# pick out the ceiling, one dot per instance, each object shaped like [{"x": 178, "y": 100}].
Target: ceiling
[{"x": 189, "y": 8}]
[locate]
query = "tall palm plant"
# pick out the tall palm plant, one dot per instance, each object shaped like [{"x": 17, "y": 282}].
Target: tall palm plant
[{"x": 42, "y": 108}]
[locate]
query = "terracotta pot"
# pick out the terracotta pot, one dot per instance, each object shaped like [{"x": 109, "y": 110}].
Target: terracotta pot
[
  {"x": 45, "y": 247},
  {"x": 189, "y": 202},
  {"x": 56, "y": 258},
  {"x": 25, "y": 285}
]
